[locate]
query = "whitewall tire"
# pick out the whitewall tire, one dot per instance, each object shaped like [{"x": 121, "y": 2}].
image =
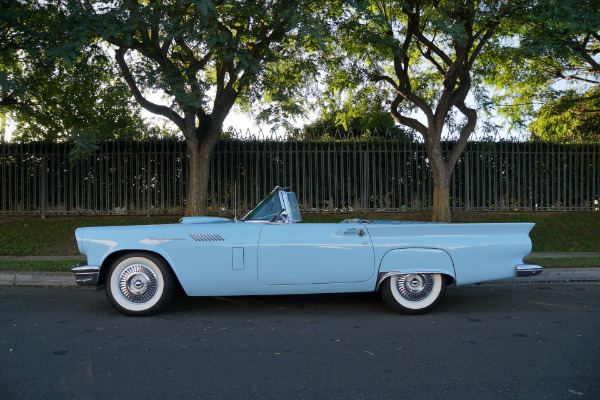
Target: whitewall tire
[
  {"x": 139, "y": 284},
  {"x": 414, "y": 293}
]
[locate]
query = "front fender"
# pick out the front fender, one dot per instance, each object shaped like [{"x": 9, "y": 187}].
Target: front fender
[
  {"x": 415, "y": 260},
  {"x": 108, "y": 243}
]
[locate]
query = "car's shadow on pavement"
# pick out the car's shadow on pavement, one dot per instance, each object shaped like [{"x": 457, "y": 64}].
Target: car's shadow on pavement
[
  {"x": 457, "y": 300},
  {"x": 315, "y": 303}
]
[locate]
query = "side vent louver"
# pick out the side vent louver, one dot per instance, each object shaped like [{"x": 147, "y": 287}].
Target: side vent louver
[{"x": 207, "y": 237}]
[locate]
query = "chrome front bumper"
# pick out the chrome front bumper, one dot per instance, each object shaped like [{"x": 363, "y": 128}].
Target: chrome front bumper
[
  {"x": 525, "y": 270},
  {"x": 86, "y": 275}
]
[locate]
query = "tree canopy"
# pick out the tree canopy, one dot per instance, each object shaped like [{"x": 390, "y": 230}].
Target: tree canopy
[
  {"x": 60, "y": 88},
  {"x": 364, "y": 114},
  {"x": 426, "y": 67},
  {"x": 550, "y": 61},
  {"x": 573, "y": 117}
]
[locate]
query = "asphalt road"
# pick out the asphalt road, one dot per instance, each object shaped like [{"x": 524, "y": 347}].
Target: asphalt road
[{"x": 526, "y": 341}]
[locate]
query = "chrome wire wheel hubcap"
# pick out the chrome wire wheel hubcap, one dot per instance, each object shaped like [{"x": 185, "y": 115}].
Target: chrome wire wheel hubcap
[
  {"x": 415, "y": 287},
  {"x": 137, "y": 283}
]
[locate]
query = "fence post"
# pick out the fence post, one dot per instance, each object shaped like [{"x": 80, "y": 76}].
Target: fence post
[{"x": 44, "y": 185}]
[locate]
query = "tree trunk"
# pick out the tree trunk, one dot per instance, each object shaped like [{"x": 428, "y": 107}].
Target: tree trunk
[
  {"x": 441, "y": 176},
  {"x": 199, "y": 154},
  {"x": 441, "y": 203}
]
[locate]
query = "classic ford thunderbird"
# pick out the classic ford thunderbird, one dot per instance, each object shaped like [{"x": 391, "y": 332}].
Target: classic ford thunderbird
[{"x": 270, "y": 252}]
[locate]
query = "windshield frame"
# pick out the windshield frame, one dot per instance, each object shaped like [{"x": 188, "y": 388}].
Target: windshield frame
[{"x": 278, "y": 206}]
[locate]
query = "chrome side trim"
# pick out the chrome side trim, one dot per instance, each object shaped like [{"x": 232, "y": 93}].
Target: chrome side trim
[
  {"x": 525, "y": 270},
  {"x": 86, "y": 275}
]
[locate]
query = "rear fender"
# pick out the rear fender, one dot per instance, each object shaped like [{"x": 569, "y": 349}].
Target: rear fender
[{"x": 415, "y": 260}]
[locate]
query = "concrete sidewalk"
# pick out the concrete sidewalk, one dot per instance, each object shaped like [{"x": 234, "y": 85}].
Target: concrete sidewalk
[{"x": 42, "y": 258}]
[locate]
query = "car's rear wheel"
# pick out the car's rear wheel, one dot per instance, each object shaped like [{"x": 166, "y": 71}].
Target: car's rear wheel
[
  {"x": 139, "y": 284},
  {"x": 415, "y": 293}
]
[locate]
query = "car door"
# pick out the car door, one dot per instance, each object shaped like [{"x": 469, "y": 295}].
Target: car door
[{"x": 297, "y": 254}]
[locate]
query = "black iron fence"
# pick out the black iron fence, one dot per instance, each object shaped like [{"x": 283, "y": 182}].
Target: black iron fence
[{"x": 328, "y": 175}]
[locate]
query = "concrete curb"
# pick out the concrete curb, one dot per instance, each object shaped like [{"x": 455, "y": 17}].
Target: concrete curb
[
  {"x": 560, "y": 275},
  {"x": 42, "y": 258},
  {"x": 66, "y": 279},
  {"x": 34, "y": 278}
]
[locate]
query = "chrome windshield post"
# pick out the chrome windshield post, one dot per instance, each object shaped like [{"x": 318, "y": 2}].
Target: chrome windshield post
[{"x": 286, "y": 211}]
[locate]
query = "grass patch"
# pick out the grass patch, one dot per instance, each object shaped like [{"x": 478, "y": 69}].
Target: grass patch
[
  {"x": 553, "y": 231},
  {"x": 577, "y": 262},
  {"x": 44, "y": 266},
  {"x": 34, "y": 236}
]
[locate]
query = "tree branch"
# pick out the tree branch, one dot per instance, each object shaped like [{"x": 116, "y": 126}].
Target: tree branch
[
  {"x": 432, "y": 60},
  {"x": 488, "y": 34},
  {"x": 9, "y": 101},
  {"x": 406, "y": 121},
  {"x": 595, "y": 66},
  {"x": 164, "y": 50},
  {"x": 584, "y": 112},
  {"x": 426, "y": 42},
  {"x": 465, "y": 133},
  {"x": 406, "y": 93},
  {"x": 576, "y": 78},
  {"x": 137, "y": 94}
]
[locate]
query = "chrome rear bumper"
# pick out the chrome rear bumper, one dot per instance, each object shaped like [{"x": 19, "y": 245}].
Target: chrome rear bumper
[
  {"x": 86, "y": 275},
  {"x": 525, "y": 270}
]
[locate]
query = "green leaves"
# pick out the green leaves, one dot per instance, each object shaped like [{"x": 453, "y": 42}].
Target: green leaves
[
  {"x": 202, "y": 54},
  {"x": 84, "y": 145},
  {"x": 83, "y": 97},
  {"x": 571, "y": 117},
  {"x": 552, "y": 54}
]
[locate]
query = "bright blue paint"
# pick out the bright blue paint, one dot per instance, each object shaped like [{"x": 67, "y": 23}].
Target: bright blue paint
[
  {"x": 259, "y": 258},
  {"x": 418, "y": 260},
  {"x": 479, "y": 252},
  {"x": 293, "y": 254}
]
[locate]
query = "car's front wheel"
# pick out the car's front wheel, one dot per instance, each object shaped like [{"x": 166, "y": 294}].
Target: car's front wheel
[
  {"x": 414, "y": 293},
  {"x": 139, "y": 284}
]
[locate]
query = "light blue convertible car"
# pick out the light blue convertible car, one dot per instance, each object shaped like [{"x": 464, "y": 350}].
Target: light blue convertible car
[{"x": 269, "y": 252}]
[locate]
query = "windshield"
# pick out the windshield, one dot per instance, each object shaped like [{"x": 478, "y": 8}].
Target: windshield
[
  {"x": 294, "y": 209},
  {"x": 272, "y": 206},
  {"x": 266, "y": 209}
]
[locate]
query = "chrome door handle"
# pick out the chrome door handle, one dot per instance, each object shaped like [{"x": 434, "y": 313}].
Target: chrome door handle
[{"x": 354, "y": 231}]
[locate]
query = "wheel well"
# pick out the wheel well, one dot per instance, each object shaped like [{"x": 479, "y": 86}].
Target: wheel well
[
  {"x": 108, "y": 261},
  {"x": 449, "y": 279}
]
